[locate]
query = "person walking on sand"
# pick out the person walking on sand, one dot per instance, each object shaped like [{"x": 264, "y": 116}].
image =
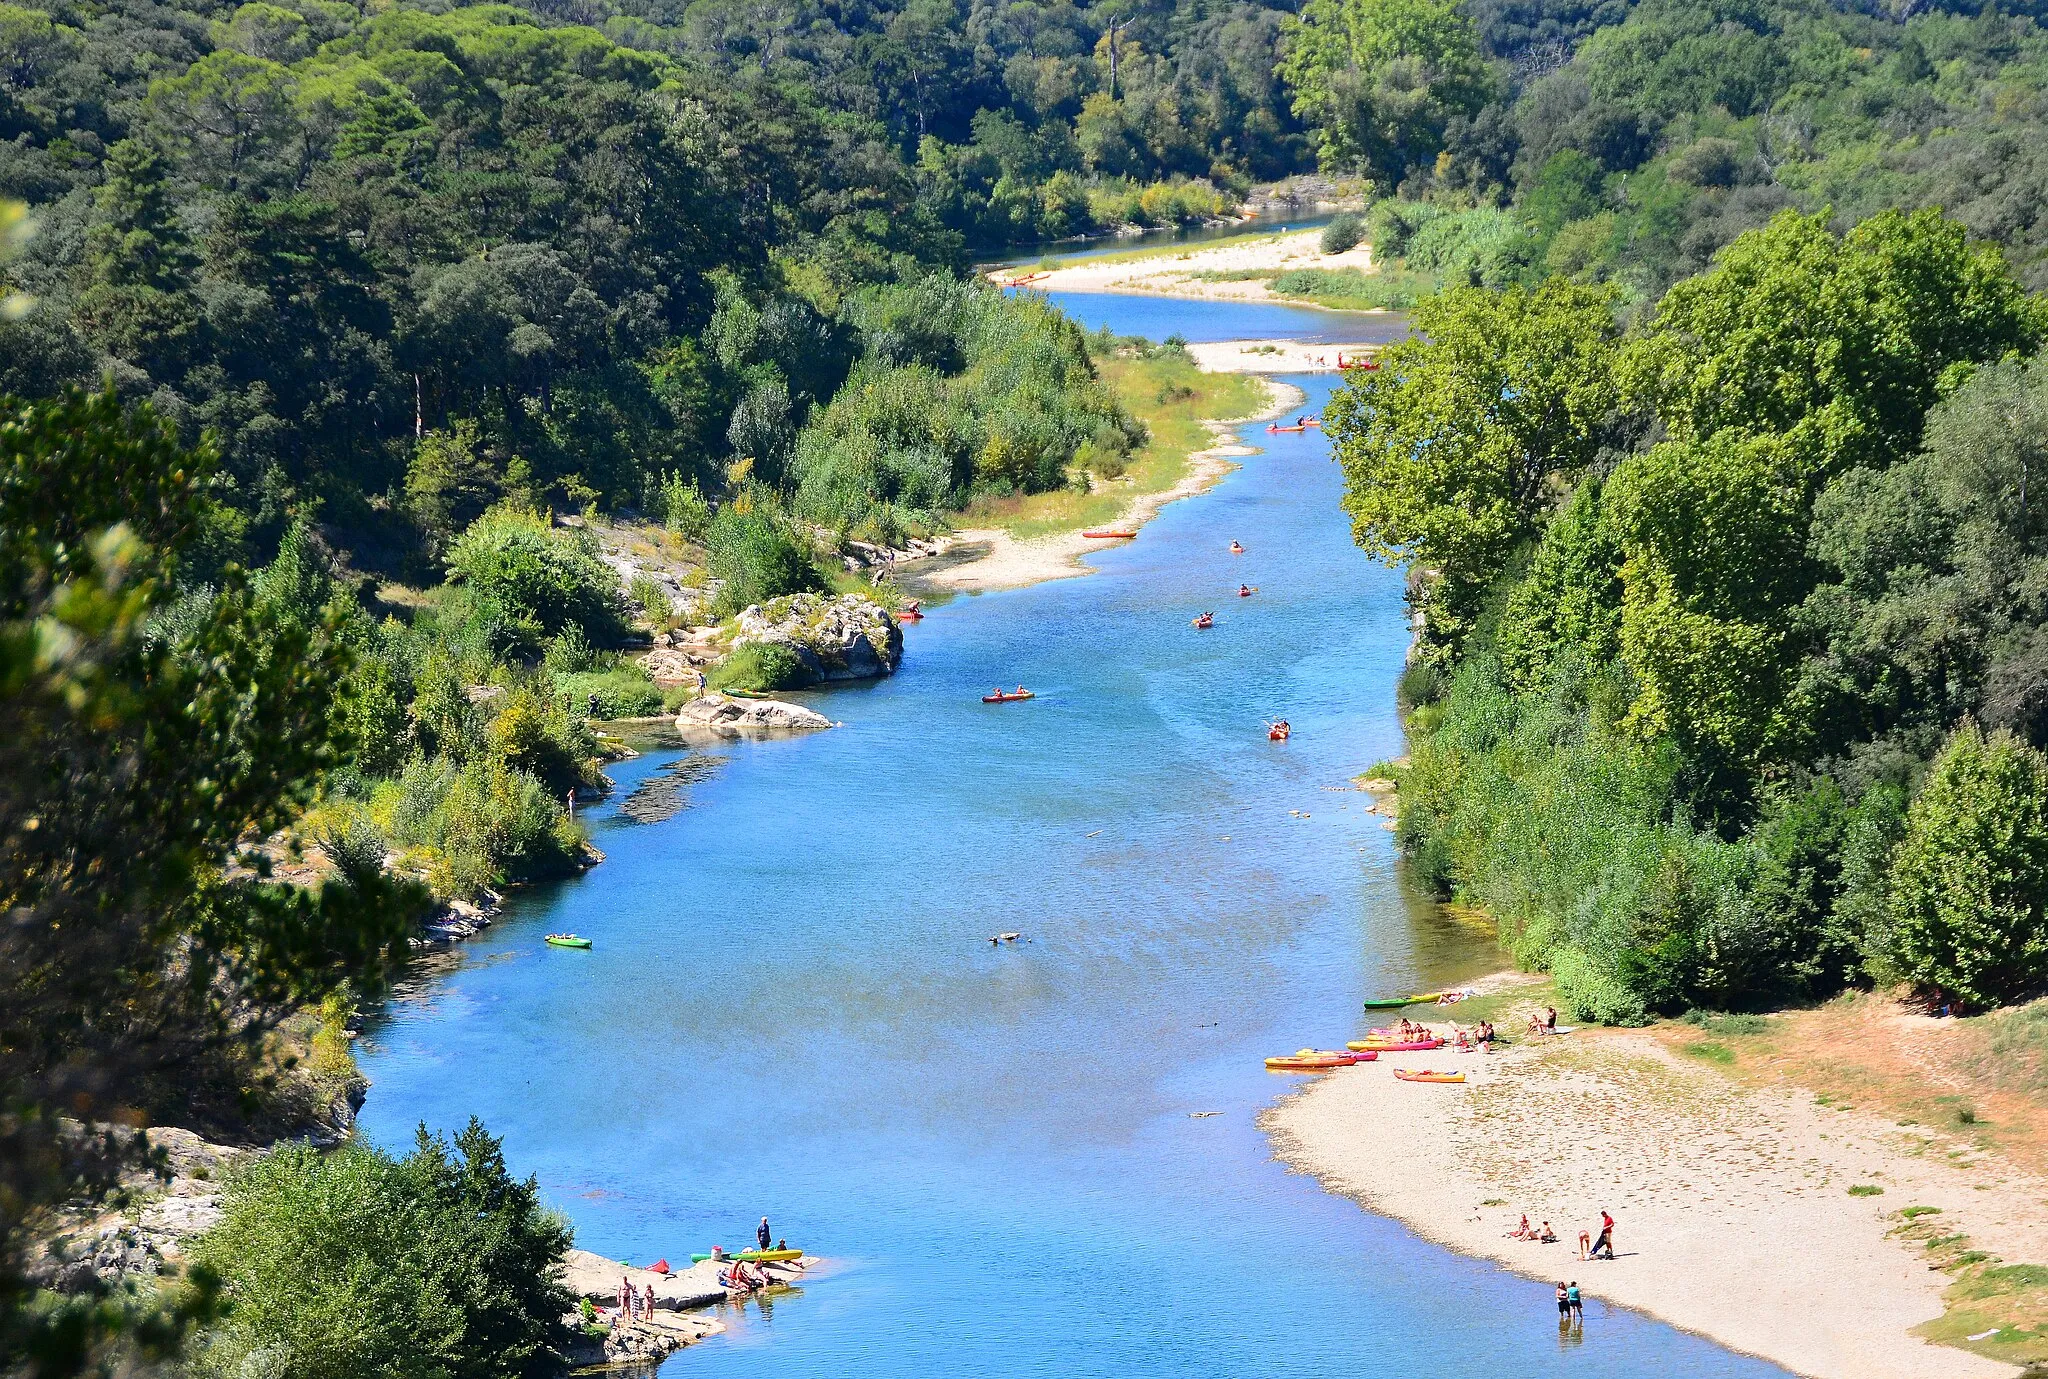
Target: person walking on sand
[{"x": 763, "y": 1234}]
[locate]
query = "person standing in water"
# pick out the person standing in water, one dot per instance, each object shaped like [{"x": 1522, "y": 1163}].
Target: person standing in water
[{"x": 764, "y": 1235}]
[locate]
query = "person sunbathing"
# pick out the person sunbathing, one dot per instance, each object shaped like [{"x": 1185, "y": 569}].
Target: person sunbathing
[
  {"x": 1521, "y": 1232},
  {"x": 1549, "y": 1236}
]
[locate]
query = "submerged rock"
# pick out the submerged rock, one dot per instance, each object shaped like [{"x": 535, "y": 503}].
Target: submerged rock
[
  {"x": 719, "y": 714},
  {"x": 848, "y": 637}
]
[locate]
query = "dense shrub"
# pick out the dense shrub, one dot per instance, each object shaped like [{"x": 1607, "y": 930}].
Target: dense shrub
[
  {"x": 348, "y": 1264},
  {"x": 760, "y": 667},
  {"x": 963, "y": 391},
  {"x": 539, "y": 573},
  {"x": 759, "y": 555},
  {"x": 1969, "y": 885},
  {"x": 1343, "y": 232},
  {"x": 624, "y": 692}
]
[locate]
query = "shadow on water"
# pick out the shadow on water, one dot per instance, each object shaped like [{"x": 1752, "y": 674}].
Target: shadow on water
[{"x": 1032, "y": 1157}]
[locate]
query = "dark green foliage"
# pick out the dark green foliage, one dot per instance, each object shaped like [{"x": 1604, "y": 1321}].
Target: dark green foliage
[
  {"x": 439, "y": 1265},
  {"x": 136, "y": 760}
]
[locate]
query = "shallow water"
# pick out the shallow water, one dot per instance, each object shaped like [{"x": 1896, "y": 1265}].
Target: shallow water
[{"x": 792, "y": 1006}]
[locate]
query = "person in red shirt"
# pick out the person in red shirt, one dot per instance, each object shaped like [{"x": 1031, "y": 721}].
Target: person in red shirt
[{"x": 1606, "y": 1240}]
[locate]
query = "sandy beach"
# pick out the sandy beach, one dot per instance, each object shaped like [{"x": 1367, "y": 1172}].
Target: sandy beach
[
  {"x": 1734, "y": 1214},
  {"x": 999, "y": 560},
  {"x": 1174, "y": 272},
  {"x": 1275, "y": 356}
]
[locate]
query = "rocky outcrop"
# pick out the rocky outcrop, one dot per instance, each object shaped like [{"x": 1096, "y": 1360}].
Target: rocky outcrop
[
  {"x": 850, "y": 637},
  {"x": 716, "y": 713}
]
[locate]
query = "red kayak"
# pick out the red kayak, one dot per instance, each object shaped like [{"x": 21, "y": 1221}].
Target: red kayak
[
  {"x": 1110, "y": 535},
  {"x": 910, "y": 615}
]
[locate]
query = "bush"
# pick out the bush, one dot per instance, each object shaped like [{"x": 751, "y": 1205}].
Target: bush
[
  {"x": 480, "y": 824},
  {"x": 352, "y": 1265},
  {"x": 537, "y": 571},
  {"x": 1343, "y": 233},
  {"x": 1970, "y": 878},
  {"x": 759, "y": 557},
  {"x": 652, "y": 598},
  {"x": 682, "y": 507},
  {"x": 760, "y": 667},
  {"x": 621, "y": 692}
]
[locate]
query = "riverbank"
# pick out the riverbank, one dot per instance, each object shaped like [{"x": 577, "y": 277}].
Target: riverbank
[
  {"x": 1774, "y": 1221},
  {"x": 1236, "y": 271},
  {"x": 980, "y": 559}
]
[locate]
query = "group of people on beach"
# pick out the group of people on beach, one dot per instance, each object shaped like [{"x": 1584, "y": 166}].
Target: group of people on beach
[{"x": 1589, "y": 1247}]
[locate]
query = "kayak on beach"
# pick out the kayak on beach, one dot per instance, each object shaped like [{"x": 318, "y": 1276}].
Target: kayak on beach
[
  {"x": 1294, "y": 1063},
  {"x": 1394, "y": 1045},
  {"x": 1110, "y": 535},
  {"x": 755, "y": 1256},
  {"x": 568, "y": 941},
  {"x": 1426, "y": 1075}
]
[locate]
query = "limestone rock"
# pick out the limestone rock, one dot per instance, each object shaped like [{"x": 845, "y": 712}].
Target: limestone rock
[
  {"x": 848, "y": 637},
  {"x": 731, "y": 717}
]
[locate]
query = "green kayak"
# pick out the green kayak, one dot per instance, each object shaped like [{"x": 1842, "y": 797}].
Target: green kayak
[
  {"x": 1395, "y": 1004},
  {"x": 568, "y": 941}
]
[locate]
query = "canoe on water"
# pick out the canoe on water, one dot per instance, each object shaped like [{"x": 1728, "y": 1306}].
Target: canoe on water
[
  {"x": 568, "y": 941},
  {"x": 756, "y": 1256},
  {"x": 1007, "y": 697},
  {"x": 1425, "y": 1075}
]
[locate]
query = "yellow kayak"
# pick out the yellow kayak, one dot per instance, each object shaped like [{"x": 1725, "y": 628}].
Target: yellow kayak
[
  {"x": 1427, "y": 1076},
  {"x": 756, "y": 1256}
]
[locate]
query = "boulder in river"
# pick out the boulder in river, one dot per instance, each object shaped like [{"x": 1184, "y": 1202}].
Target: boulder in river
[
  {"x": 847, "y": 637},
  {"x": 726, "y": 716}
]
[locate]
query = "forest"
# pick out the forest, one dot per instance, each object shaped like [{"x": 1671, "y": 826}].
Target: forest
[
  {"x": 326, "y": 330},
  {"x": 1730, "y": 688}
]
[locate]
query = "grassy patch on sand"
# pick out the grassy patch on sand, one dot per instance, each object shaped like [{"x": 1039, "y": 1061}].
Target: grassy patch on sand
[{"x": 1172, "y": 397}]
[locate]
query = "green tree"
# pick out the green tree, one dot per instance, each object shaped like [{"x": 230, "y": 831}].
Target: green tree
[
  {"x": 1712, "y": 537},
  {"x": 348, "y": 1265},
  {"x": 137, "y": 303},
  {"x": 1969, "y": 881},
  {"x": 230, "y": 111},
  {"x": 1840, "y": 343},
  {"x": 137, "y": 757},
  {"x": 1457, "y": 446},
  {"x": 1381, "y": 79}
]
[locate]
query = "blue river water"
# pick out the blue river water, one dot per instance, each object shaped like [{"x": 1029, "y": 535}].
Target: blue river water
[{"x": 792, "y": 1006}]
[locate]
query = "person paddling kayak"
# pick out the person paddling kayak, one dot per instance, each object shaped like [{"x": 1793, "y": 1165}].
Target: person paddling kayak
[{"x": 1236, "y": 549}]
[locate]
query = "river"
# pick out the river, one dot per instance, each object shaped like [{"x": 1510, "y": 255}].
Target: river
[{"x": 1040, "y": 1157}]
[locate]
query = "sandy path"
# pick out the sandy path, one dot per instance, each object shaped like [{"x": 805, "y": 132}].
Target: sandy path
[
  {"x": 1734, "y": 1217},
  {"x": 1171, "y": 273},
  {"x": 1011, "y": 564}
]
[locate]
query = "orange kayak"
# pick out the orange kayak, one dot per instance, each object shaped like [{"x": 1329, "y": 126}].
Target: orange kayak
[
  {"x": 1007, "y": 698},
  {"x": 1396, "y": 1045},
  {"x": 1425, "y": 1075},
  {"x": 1110, "y": 535}
]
